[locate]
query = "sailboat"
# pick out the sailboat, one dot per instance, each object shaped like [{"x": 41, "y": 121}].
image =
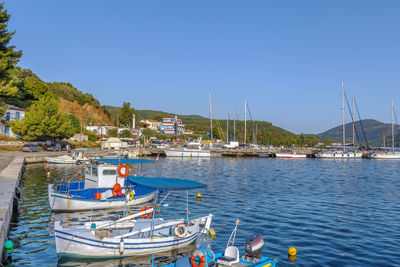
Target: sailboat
[
  {"x": 388, "y": 154},
  {"x": 341, "y": 154}
]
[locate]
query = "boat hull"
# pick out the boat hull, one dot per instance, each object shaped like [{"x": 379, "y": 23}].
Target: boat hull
[
  {"x": 339, "y": 155},
  {"x": 83, "y": 243},
  {"x": 60, "y": 160},
  {"x": 62, "y": 201},
  {"x": 187, "y": 153},
  {"x": 290, "y": 156},
  {"x": 385, "y": 156}
]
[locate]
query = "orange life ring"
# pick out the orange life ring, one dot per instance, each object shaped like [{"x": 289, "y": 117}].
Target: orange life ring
[
  {"x": 199, "y": 254},
  {"x": 145, "y": 216},
  {"x": 126, "y": 167},
  {"x": 179, "y": 233}
]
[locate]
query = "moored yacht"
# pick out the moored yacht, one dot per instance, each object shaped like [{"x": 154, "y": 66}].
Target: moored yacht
[{"x": 190, "y": 149}]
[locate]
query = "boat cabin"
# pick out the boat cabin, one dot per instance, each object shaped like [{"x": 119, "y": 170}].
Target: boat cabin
[{"x": 102, "y": 176}]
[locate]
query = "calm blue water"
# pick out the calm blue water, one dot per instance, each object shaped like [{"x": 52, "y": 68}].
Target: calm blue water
[{"x": 335, "y": 213}]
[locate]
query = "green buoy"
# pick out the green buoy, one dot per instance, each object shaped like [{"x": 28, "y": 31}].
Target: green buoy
[{"x": 8, "y": 245}]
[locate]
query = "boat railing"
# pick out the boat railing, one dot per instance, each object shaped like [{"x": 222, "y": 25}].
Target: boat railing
[{"x": 148, "y": 229}]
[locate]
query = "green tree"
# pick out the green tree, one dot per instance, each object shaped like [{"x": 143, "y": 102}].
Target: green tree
[
  {"x": 327, "y": 142},
  {"x": 112, "y": 132},
  {"x": 75, "y": 123},
  {"x": 126, "y": 114},
  {"x": 311, "y": 140},
  {"x": 125, "y": 134},
  {"x": 9, "y": 57},
  {"x": 43, "y": 120},
  {"x": 157, "y": 118}
]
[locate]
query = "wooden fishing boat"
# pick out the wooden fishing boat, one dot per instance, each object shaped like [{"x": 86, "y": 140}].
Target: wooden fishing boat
[
  {"x": 138, "y": 234},
  {"x": 104, "y": 186}
]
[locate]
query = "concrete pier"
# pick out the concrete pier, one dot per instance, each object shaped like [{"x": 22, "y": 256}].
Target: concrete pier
[{"x": 9, "y": 180}]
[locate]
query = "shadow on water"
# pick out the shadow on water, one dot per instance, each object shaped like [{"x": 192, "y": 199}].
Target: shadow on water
[{"x": 333, "y": 212}]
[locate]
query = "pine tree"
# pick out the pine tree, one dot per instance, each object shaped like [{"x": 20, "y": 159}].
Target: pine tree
[
  {"x": 44, "y": 120},
  {"x": 9, "y": 57}
]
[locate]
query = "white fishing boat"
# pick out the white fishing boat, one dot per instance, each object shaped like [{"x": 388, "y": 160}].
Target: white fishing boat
[
  {"x": 388, "y": 154},
  {"x": 290, "y": 156},
  {"x": 104, "y": 186},
  {"x": 341, "y": 154},
  {"x": 191, "y": 149},
  {"x": 134, "y": 235}
]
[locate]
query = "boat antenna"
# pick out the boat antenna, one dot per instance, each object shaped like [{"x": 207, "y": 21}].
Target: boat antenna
[{"x": 232, "y": 237}]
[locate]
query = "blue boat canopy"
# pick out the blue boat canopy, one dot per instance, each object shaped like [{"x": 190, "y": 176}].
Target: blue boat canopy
[
  {"x": 125, "y": 161},
  {"x": 166, "y": 184}
]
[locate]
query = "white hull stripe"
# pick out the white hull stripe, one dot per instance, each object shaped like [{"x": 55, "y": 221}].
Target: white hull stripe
[
  {"x": 116, "y": 243},
  {"x": 179, "y": 242}
]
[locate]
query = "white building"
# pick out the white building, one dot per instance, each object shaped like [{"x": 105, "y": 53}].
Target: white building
[
  {"x": 113, "y": 143},
  {"x": 172, "y": 126},
  {"x": 100, "y": 130},
  {"x": 13, "y": 113},
  {"x": 149, "y": 124}
]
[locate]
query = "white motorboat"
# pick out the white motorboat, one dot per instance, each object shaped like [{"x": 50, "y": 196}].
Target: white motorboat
[
  {"x": 386, "y": 155},
  {"x": 77, "y": 156},
  {"x": 65, "y": 159},
  {"x": 137, "y": 234},
  {"x": 191, "y": 149},
  {"x": 290, "y": 156},
  {"x": 339, "y": 155},
  {"x": 102, "y": 188}
]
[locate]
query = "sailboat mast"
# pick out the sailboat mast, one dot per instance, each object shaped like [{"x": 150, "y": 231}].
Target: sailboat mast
[
  {"x": 352, "y": 115},
  {"x": 234, "y": 126},
  {"x": 344, "y": 131},
  {"x": 245, "y": 126},
  {"x": 227, "y": 126},
  {"x": 392, "y": 126},
  {"x": 211, "y": 126}
]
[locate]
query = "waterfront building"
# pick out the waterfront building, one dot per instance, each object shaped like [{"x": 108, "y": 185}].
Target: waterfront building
[
  {"x": 100, "y": 129},
  {"x": 172, "y": 126},
  {"x": 149, "y": 124},
  {"x": 13, "y": 113}
]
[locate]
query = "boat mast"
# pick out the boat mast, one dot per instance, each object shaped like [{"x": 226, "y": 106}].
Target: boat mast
[
  {"x": 211, "y": 126},
  {"x": 352, "y": 114},
  {"x": 392, "y": 126},
  {"x": 227, "y": 126},
  {"x": 245, "y": 128},
  {"x": 344, "y": 131},
  {"x": 234, "y": 127}
]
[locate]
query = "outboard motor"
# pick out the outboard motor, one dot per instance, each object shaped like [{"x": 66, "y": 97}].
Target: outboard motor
[{"x": 253, "y": 248}]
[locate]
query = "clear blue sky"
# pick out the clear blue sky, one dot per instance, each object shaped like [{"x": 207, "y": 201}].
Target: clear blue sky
[{"x": 287, "y": 58}]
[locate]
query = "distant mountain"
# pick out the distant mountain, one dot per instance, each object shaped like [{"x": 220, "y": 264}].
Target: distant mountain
[{"x": 373, "y": 131}]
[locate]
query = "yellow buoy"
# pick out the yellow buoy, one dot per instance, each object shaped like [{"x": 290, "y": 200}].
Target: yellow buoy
[
  {"x": 292, "y": 251},
  {"x": 48, "y": 174},
  {"x": 198, "y": 195},
  {"x": 212, "y": 233}
]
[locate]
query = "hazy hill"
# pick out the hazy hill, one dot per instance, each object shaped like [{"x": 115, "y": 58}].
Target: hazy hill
[
  {"x": 266, "y": 132},
  {"x": 373, "y": 131}
]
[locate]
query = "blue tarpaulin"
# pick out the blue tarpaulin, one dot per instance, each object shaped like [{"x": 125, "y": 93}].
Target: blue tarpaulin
[
  {"x": 126, "y": 161},
  {"x": 166, "y": 184}
]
